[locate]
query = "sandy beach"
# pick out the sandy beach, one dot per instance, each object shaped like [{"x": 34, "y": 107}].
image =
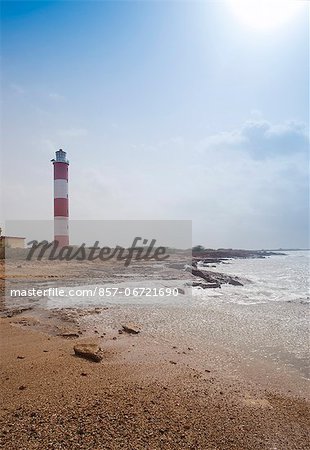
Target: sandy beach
[
  {"x": 184, "y": 381},
  {"x": 146, "y": 393}
]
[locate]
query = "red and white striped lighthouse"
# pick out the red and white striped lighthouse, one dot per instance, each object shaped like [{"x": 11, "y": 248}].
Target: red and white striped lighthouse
[{"x": 61, "y": 200}]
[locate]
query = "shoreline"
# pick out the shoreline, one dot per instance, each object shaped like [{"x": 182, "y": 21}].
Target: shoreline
[{"x": 215, "y": 339}]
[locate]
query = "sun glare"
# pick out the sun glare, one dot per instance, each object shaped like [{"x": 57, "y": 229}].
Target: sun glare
[{"x": 266, "y": 14}]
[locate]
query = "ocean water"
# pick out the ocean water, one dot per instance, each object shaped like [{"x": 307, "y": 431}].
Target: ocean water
[
  {"x": 283, "y": 278},
  {"x": 280, "y": 278},
  {"x": 267, "y": 318}
]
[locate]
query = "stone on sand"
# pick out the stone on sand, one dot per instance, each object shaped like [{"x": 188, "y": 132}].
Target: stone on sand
[
  {"x": 69, "y": 334},
  {"x": 131, "y": 328},
  {"x": 88, "y": 351}
]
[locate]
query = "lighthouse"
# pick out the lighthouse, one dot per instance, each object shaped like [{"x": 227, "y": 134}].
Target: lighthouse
[{"x": 61, "y": 200}]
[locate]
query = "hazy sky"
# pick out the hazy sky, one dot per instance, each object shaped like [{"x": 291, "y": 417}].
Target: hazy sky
[{"x": 167, "y": 110}]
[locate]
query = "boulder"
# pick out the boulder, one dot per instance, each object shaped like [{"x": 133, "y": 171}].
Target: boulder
[{"x": 88, "y": 351}]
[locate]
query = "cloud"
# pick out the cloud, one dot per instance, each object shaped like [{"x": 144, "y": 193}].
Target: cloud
[
  {"x": 262, "y": 139},
  {"x": 242, "y": 188},
  {"x": 251, "y": 186}
]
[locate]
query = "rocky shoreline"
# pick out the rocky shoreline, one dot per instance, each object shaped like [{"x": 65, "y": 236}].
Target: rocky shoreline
[
  {"x": 211, "y": 258},
  {"x": 192, "y": 268}
]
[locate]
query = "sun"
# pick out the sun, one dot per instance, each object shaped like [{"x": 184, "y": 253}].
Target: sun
[{"x": 266, "y": 14}]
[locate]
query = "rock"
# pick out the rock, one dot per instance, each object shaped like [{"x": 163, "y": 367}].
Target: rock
[
  {"x": 206, "y": 285},
  {"x": 211, "y": 279},
  {"x": 197, "y": 273},
  {"x": 22, "y": 387},
  {"x": 83, "y": 374},
  {"x": 131, "y": 328},
  {"x": 16, "y": 311},
  {"x": 20, "y": 357},
  {"x": 234, "y": 282},
  {"x": 69, "y": 334},
  {"x": 180, "y": 291},
  {"x": 88, "y": 351},
  {"x": 172, "y": 362}
]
